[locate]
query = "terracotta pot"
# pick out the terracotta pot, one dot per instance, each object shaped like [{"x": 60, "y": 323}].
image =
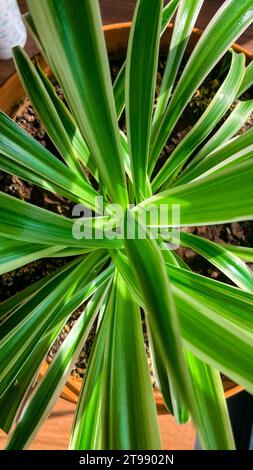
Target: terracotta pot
[
  {"x": 12, "y": 93},
  {"x": 116, "y": 36}
]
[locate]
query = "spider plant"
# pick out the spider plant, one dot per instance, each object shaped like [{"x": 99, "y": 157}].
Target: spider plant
[{"x": 197, "y": 327}]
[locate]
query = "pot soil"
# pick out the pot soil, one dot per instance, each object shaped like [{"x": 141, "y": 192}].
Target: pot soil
[{"x": 12, "y": 101}]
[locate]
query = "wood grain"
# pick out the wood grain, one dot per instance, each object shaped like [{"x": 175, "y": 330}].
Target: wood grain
[
  {"x": 114, "y": 11},
  {"x": 55, "y": 432}
]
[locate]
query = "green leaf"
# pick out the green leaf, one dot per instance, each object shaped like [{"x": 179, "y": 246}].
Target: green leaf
[
  {"x": 212, "y": 418},
  {"x": 108, "y": 358},
  {"x": 209, "y": 330},
  {"x": 47, "y": 392},
  {"x": 125, "y": 150},
  {"x": 213, "y": 199},
  {"x": 238, "y": 148},
  {"x": 25, "y": 222},
  {"x": 171, "y": 398},
  {"x": 218, "y": 296},
  {"x": 45, "y": 108},
  {"x": 12, "y": 302},
  {"x": 168, "y": 13},
  {"x": 29, "y": 23},
  {"x": 66, "y": 252},
  {"x": 224, "y": 260},
  {"x": 147, "y": 264},
  {"x": 14, "y": 254},
  {"x": 23, "y": 373},
  {"x": 247, "y": 81},
  {"x": 119, "y": 91},
  {"x": 19, "y": 331},
  {"x": 28, "y": 174},
  {"x": 140, "y": 87},
  {"x": 71, "y": 129},
  {"x": 85, "y": 433},
  {"x": 128, "y": 412},
  {"x": 187, "y": 14},
  {"x": 84, "y": 76},
  {"x": 233, "y": 162},
  {"x": 22, "y": 311},
  {"x": 243, "y": 252},
  {"x": 22, "y": 155},
  {"x": 210, "y": 414},
  {"x": 229, "y": 128},
  {"x": 219, "y": 105},
  {"x": 213, "y": 339},
  {"x": 119, "y": 84},
  {"x": 226, "y": 26}
]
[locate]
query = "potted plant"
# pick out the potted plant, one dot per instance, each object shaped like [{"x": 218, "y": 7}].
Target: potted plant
[{"x": 196, "y": 326}]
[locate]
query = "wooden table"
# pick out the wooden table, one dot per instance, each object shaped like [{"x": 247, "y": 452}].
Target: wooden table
[
  {"x": 114, "y": 11},
  {"x": 55, "y": 432}
]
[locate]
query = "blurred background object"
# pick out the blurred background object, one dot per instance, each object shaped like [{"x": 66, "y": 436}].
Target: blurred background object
[{"x": 12, "y": 29}]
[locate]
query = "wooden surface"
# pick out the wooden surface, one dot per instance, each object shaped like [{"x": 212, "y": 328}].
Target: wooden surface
[
  {"x": 54, "y": 434},
  {"x": 114, "y": 11}
]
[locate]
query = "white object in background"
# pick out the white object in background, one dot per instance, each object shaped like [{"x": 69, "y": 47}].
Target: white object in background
[{"x": 12, "y": 28}]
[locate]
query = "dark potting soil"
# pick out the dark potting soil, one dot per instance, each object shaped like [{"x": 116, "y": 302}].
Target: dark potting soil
[{"x": 13, "y": 282}]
